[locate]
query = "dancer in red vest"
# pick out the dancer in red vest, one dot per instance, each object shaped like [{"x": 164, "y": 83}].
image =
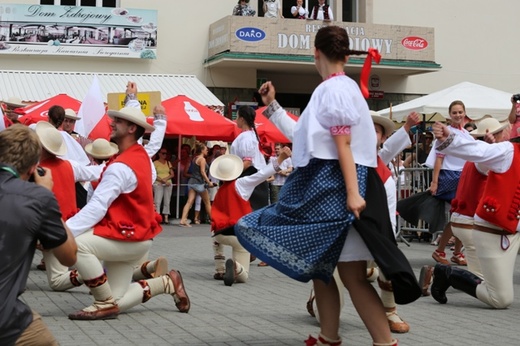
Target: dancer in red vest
[
  {"x": 65, "y": 174},
  {"x": 463, "y": 206},
  {"x": 230, "y": 204},
  {"x": 117, "y": 227},
  {"x": 496, "y": 224}
]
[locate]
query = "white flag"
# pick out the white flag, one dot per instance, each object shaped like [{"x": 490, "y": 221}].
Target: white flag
[
  {"x": 2, "y": 120},
  {"x": 91, "y": 111}
]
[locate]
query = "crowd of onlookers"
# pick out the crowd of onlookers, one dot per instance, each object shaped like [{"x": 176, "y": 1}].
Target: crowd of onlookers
[
  {"x": 273, "y": 9},
  {"x": 175, "y": 170}
]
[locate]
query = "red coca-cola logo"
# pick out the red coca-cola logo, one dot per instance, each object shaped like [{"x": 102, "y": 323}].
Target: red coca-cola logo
[{"x": 414, "y": 43}]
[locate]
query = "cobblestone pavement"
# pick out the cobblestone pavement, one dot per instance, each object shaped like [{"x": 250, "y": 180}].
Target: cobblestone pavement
[{"x": 268, "y": 310}]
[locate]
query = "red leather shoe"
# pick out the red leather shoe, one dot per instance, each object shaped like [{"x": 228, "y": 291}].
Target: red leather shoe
[
  {"x": 425, "y": 279},
  {"x": 312, "y": 341},
  {"x": 182, "y": 302},
  {"x": 100, "y": 314},
  {"x": 458, "y": 258},
  {"x": 218, "y": 276},
  {"x": 440, "y": 257}
]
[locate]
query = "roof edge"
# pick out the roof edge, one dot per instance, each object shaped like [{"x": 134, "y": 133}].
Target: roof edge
[{"x": 310, "y": 59}]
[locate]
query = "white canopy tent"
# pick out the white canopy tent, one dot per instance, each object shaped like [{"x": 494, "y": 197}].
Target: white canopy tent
[{"x": 479, "y": 101}]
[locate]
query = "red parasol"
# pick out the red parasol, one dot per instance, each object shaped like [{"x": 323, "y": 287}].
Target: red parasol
[
  {"x": 266, "y": 130},
  {"x": 38, "y": 111},
  {"x": 187, "y": 117}
]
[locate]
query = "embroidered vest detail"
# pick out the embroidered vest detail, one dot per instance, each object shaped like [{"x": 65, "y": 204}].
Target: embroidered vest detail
[
  {"x": 500, "y": 202},
  {"x": 325, "y": 12},
  {"x": 469, "y": 191}
]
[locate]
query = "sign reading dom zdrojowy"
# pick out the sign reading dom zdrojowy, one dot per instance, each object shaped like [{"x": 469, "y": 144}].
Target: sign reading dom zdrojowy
[{"x": 78, "y": 31}]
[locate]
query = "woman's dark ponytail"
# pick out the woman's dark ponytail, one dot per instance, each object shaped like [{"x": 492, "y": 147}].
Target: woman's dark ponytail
[{"x": 249, "y": 115}]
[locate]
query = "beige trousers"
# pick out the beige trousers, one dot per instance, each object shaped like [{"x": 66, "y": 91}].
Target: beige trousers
[
  {"x": 119, "y": 260},
  {"x": 497, "y": 263},
  {"x": 36, "y": 334},
  {"x": 466, "y": 237},
  {"x": 239, "y": 253},
  {"x": 58, "y": 275}
]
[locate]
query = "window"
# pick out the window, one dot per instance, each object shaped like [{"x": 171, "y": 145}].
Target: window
[
  {"x": 88, "y": 3},
  {"x": 350, "y": 11},
  {"x": 109, "y": 3},
  {"x": 92, "y": 3}
]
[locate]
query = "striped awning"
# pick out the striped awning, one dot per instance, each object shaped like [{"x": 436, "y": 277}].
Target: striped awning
[{"x": 34, "y": 86}]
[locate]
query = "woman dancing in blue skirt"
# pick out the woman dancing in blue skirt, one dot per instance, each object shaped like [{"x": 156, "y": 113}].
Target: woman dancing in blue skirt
[{"x": 309, "y": 231}]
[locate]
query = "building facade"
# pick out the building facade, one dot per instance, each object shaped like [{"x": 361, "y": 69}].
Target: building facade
[{"x": 426, "y": 46}]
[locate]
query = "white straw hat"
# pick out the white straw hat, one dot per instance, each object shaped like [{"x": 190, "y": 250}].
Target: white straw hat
[
  {"x": 133, "y": 115},
  {"x": 226, "y": 167},
  {"x": 69, "y": 113},
  {"x": 101, "y": 149},
  {"x": 490, "y": 124},
  {"x": 51, "y": 138},
  {"x": 15, "y": 102},
  {"x": 387, "y": 124}
]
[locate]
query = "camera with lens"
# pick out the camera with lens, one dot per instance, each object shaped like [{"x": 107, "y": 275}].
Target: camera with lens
[
  {"x": 40, "y": 171},
  {"x": 516, "y": 97}
]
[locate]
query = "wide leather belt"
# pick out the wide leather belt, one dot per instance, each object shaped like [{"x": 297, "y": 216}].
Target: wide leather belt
[
  {"x": 490, "y": 230},
  {"x": 462, "y": 225}
]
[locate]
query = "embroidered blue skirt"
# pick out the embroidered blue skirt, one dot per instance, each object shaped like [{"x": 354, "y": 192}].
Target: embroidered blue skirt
[{"x": 302, "y": 235}]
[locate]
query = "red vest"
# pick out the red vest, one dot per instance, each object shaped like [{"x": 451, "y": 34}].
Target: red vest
[
  {"x": 382, "y": 170},
  {"x": 64, "y": 185},
  {"x": 228, "y": 207},
  {"x": 325, "y": 12},
  {"x": 500, "y": 202},
  {"x": 469, "y": 190},
  {"x": 131, "y": 217}
]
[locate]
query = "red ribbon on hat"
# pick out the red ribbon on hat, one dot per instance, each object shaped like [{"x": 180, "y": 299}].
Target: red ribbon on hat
[{"x": 373, "y": 54}]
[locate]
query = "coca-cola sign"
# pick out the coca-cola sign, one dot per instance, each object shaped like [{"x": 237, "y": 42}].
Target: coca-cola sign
[{"x": 414, "y": 43}]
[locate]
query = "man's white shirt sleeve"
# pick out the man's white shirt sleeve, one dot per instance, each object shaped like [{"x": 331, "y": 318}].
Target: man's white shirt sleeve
[{"x": 118, "y": 178}]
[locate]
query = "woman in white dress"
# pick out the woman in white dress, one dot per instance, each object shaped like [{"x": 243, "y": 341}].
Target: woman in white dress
[
  {"x": 247, "y": 147},
  {"x": 304, "y": 234}
]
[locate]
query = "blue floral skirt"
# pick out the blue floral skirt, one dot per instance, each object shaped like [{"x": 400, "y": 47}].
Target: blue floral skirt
[{"x": 302, "y": 235}]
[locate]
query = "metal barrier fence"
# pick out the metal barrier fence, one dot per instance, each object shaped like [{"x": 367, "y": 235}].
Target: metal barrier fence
[{"x": 409, "y": 182}]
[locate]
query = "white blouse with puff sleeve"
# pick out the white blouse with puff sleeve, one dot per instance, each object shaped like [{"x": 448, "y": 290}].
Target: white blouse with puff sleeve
[
  {"x": 246, "y": 147},
  {"x": 336, "y": 103}
]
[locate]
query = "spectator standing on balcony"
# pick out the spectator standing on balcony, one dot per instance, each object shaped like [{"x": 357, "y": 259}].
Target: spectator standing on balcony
[
  {"x": 299, "y": 11},
  {"x": 321, "y": 11},
  {"x": 243, "y": 9},
  {"x": 272, "y": 9}
]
